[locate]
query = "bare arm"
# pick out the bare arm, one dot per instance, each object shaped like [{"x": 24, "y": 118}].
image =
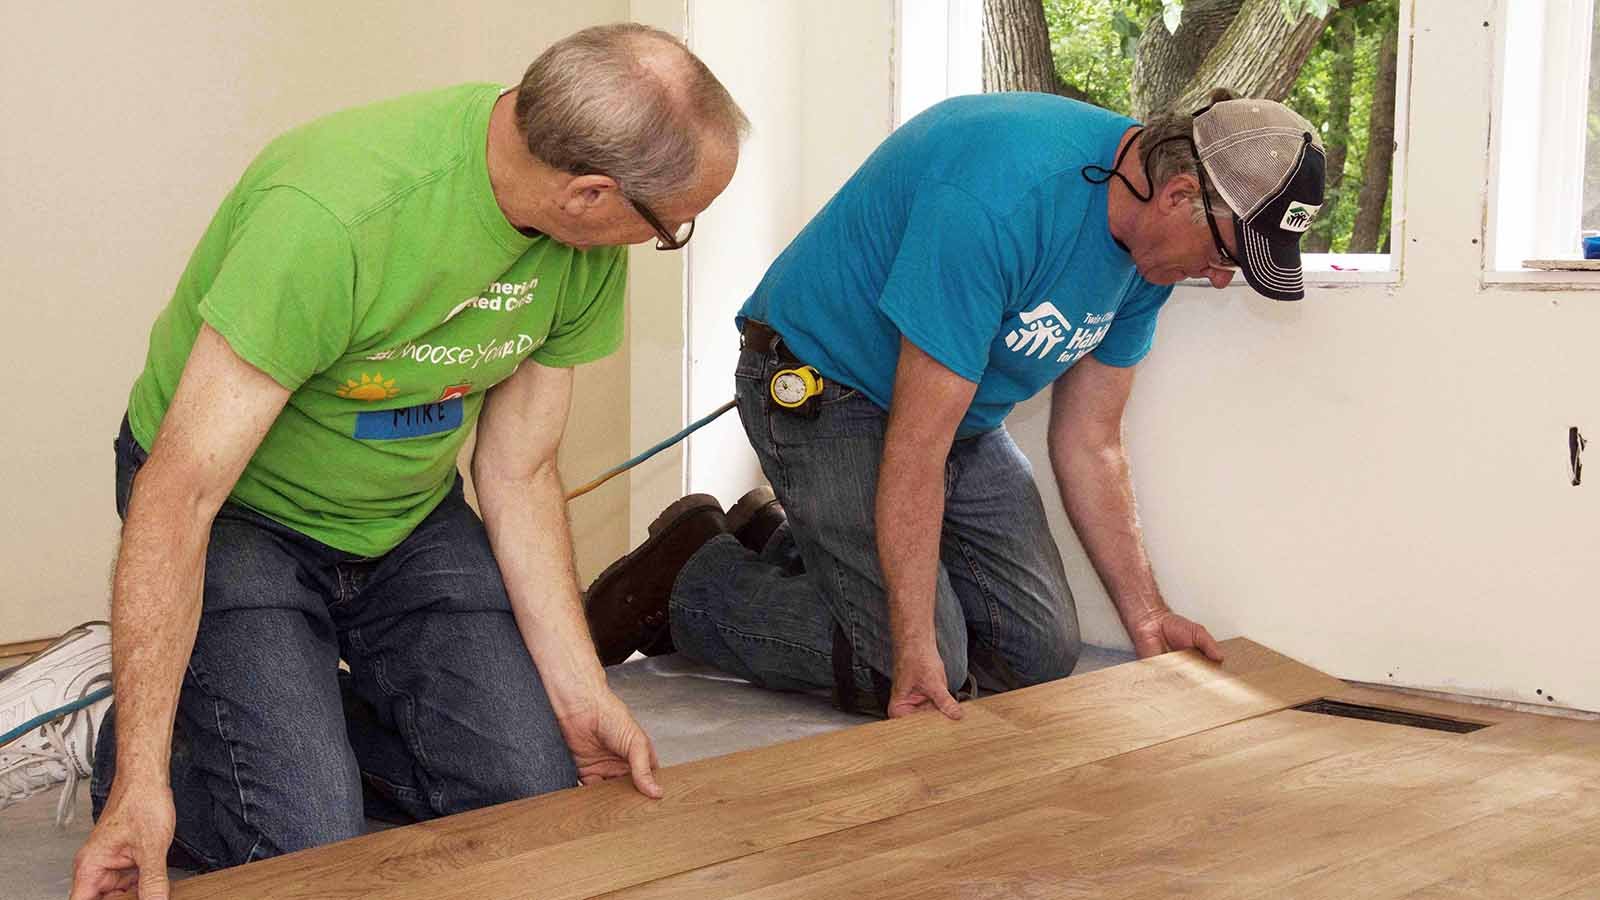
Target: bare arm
[
  {"x": 222, "y": 409},
  {"x": 524, "y": 509},
  {"x": 1091, "y": 469},
  {"x": 928, "y": 404}
]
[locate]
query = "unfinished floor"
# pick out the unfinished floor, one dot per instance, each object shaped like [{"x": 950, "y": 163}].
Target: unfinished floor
[{"x": 1164, "y": 777}]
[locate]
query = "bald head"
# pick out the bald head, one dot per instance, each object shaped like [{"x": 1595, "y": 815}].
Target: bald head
[{"x": 630, "y": 102}]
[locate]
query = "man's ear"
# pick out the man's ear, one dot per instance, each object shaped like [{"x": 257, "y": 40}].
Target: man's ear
[
  {"x": 1179, "y": 193},
  {"x": 583, "y": 194}
]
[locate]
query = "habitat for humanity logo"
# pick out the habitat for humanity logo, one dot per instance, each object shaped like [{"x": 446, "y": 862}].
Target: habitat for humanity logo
[
  {"x": 1298, "y": 216},
  {"x": 1043, "y": 327}
]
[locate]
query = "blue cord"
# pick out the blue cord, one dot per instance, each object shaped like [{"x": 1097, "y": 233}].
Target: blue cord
[
  {"x": 617, "y": 470},
  {"x": 89, "y": 699},
  {"x": 695, "y": 426}
]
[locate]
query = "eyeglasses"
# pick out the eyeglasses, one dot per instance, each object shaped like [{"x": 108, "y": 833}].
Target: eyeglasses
[
  {"x": 1211, "y": 220},
  {"x": 665, "y": 240},
  {"x": 1205, "y": 194}
]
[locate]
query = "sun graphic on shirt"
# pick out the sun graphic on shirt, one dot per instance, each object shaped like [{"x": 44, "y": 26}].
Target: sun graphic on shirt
[{"x": 369, "y": 388}]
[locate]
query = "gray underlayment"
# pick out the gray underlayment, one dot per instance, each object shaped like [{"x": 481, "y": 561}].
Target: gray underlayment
[{"x": 690, "y": 711}]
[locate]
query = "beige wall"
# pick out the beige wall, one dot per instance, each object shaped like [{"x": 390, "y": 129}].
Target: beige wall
[
  {"x": 123, "y": 129},
  {"x": 819, "y": 103}
]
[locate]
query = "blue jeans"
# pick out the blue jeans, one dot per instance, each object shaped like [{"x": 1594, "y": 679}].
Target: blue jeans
[
  {"x": 446, "y": 711},
  {"x": 1003, "y": 611}
]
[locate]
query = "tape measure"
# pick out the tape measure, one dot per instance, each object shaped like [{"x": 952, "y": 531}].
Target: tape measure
[{"x": 794, "y": 388}]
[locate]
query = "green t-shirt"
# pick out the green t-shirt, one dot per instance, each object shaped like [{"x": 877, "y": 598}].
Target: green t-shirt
[{"x": 363, "y": 264}]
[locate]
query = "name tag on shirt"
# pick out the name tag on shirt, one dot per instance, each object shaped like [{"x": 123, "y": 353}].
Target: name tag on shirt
[{"x": 413, "y": 421}]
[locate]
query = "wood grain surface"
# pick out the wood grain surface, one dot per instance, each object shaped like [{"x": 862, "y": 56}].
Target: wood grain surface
[{"x": 1164, "y": 777}]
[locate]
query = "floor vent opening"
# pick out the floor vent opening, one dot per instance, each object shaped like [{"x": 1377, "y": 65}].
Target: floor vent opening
[{"x": 1391, "y": 716}]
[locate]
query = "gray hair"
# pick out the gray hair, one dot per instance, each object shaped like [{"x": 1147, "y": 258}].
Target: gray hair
[
  {"x": 1167, "y": 155},
  {"x": 591, "y": 105}
]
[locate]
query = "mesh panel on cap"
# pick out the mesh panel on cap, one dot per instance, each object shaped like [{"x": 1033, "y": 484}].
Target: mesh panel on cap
[{"x": 1237, "y": 140}]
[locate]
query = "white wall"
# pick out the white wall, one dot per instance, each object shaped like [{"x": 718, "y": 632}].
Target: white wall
[
  {"x": 816, "y": 86},
  {"x": 1374, "y": 480},
  {"x": 126, "y": 123}
]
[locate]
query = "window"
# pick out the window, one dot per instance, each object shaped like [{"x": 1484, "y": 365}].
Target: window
[
  {"x": 938, "y": 53},
  {"x": 1546, "y": 134}
]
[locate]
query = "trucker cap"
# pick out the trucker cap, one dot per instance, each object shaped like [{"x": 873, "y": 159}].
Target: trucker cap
[{"x": 1268, "y": 164}]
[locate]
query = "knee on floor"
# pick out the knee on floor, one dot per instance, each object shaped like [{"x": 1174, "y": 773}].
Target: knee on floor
[
  {"x": 1051, "y": 657},
  {"x": 308, "y": 815},
  {"x": 512, "y": 775}
]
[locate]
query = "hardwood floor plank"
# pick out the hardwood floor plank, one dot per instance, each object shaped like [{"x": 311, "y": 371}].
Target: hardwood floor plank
[
  {"x": 588, "y": 840},
  {"x": 870, "y": 842},
  {"x": 1255, "y": 834}
]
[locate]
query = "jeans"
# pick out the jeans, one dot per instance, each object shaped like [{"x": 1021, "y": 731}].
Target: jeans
[
  {"x": 1003, "y": 612},
  {"x": 446, "y": 711}
]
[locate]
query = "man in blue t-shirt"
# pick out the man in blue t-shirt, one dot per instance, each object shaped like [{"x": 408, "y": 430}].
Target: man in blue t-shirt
[{"x": 993, "y": 246}]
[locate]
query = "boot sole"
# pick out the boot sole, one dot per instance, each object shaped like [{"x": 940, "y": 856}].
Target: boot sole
[{"x": 749, "y": 506}]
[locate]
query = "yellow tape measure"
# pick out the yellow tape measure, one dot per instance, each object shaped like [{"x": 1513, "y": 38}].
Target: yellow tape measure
[{"x": 791, "y": 388}]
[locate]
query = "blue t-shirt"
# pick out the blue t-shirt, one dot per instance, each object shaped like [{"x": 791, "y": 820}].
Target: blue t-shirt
[{"x": 972, "y": 232}]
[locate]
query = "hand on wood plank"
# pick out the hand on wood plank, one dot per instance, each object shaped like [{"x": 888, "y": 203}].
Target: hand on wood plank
[
  {"x": 919, "y": 684},
  {"x": 1166, "y": 631},
  {"x": 127, "y": 851},
  {"x": 607, "y": 743}
]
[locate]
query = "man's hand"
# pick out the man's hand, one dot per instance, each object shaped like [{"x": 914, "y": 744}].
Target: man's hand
[
  {"x": 919, "y": 684},
  {"x": 1165, "y": 631},
  {"x": 127, "y": 850},
  {"x": 607, "y": 743}
]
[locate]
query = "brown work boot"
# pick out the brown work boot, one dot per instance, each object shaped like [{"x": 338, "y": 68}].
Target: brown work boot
[
  {"x": 755, "y": 517},
  {"x": 627, "y": 605}
]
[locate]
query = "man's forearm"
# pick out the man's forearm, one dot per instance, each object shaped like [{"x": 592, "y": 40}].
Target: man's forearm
[
  {"x": 532, "y": 542},
  {"x": 909, "y": 518},
  {"x": 1097, "y": 492},
  {"x": 155, "y": 614}
]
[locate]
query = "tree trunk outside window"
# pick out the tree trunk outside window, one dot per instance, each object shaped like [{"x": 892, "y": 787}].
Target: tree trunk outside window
[
  {"x": 1337, "y": 141},
  {"x": 1364, "y": 235},
  {"x": 1016, "y": 50},
  {"x": 1258, "y": 53}
]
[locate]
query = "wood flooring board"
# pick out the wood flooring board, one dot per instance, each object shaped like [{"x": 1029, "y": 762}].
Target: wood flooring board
[
  {"x": 1260, "y": 840},
  {"x": 835, "y": 850},
  {"x": 1385, "y": 868},
  {"x": 791, "y": 792},
  {"x": 1524, "y": 867},
  {"x": 821, "y": 806},
  {"x": 1310, "y": 825},
  {"x": 1082, "y": 795},
  {"x": 445, "y": 846},
  {"x": 1252, "y": 676}
]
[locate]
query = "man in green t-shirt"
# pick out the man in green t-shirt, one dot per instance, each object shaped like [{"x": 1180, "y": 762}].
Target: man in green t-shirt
[{"x": 378, "y": 283}]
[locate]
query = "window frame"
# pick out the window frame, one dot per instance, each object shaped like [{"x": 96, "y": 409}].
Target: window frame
[{"x": 1537, "y": 140}]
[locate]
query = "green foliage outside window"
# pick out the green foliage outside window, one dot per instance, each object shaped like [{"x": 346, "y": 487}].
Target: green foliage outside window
[{"x": 1093, "y": 43}]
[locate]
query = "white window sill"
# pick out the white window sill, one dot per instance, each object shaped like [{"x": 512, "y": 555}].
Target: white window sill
[
  {"x": 1352, "y": 269},
  {"x": 1543, "y": 278},
  {"x": 1328, "y": 278}
]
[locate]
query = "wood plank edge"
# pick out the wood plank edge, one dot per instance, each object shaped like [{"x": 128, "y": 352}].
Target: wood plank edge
[{"x": 25, "y": 648}]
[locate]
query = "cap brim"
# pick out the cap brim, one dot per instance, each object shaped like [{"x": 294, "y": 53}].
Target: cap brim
[
  {"x": 1270, "y": 261},
  {"x": 1269, "y": 242}
]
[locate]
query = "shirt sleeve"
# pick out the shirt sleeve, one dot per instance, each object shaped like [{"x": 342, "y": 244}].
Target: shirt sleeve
[
  {"x": 590, "y": 325},
  {"x": 1133, "y": 331},
  {"x": 283, "y": 297},
  {"x": 947, "y": 286}
]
